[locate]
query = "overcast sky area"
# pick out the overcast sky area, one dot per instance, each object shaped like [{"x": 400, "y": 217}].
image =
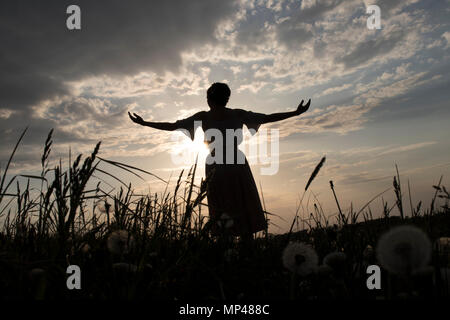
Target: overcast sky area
[{"x": 379, "y": 97}]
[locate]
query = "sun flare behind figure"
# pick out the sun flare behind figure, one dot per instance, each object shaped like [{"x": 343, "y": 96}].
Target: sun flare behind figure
[
  {"x": 186, "y": 151},
  {"x": 198, "y": 146}
]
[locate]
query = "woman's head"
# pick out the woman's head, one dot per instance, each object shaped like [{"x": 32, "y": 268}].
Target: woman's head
[{"x": 218, "y": 95}]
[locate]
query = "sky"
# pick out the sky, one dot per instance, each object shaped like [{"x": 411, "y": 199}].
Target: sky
[{"x": 379, "y": 96}]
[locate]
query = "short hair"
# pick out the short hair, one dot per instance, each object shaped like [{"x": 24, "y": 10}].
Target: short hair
[{"x": 219, "y": 93}]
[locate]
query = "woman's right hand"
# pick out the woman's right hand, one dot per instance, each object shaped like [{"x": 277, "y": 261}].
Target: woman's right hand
[
  {"x": 137, "y": 119},
  {"x": 303, "y": 108}
]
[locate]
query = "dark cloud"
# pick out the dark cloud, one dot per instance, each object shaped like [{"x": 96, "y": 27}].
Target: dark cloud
[
  {"x": 317, "y": 10},
  {"x": 81, "y": 109},
  {"x": 293, "y": 34},
  {"x": 39, "y": 54},
  {"x": 389, "y": 6},
  {"x": 252, "y": 32},
  {"x": 319, "y": 47},
  {"x": 296, "y": 29},
  {"x": 370, "y": 49},
  {"x": 38, "y": 129}
]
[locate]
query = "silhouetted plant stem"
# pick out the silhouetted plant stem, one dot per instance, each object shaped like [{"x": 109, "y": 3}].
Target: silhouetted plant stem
[
  {"x": 337, "y": 202},
  {"x": 435, "y": 195},
  {"x": 398, "y": 193},
  {"x": 410, "y": 200}
]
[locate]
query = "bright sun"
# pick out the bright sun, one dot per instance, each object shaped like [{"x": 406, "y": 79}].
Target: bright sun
[
  {"x": 198, "y": 145},
  {"x": 185, "y": 151}
]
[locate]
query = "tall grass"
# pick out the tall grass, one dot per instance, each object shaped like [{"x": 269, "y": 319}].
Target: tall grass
[
  {"x": 60, "y": 207},
  {"x": 71, "y": 218}
]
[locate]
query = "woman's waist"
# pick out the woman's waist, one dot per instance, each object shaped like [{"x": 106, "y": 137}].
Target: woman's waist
[{"x": 226, "y": 158}]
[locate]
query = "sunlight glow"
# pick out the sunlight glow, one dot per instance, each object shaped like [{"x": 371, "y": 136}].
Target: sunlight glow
[{"x": 185, "y": 151}]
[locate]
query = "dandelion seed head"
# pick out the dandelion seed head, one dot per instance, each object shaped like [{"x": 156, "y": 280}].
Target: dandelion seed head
[
  {"x": 404, "y": 250},
  {"x": 300, "y": 258}
]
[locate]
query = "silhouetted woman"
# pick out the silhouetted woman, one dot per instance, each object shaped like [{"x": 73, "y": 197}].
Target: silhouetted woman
[{"x": 231, "y": 189}]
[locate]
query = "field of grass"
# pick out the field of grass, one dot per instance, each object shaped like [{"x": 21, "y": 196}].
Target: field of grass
[{"x": 132, "y": 246}]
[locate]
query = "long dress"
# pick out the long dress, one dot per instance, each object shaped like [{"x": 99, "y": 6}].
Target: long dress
[{"x": 233, "y": 199}]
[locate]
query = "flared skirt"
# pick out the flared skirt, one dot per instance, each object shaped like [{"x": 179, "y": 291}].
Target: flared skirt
[{"x": 233, "y": 199}]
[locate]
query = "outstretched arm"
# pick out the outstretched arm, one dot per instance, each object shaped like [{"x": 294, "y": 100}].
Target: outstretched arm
[
  {"x": 169, "y": 126},
  {"x": 273, "y": 117}
]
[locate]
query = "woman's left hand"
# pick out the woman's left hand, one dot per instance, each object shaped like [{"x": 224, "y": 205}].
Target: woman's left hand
[{"x": 303, "y": 108}]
